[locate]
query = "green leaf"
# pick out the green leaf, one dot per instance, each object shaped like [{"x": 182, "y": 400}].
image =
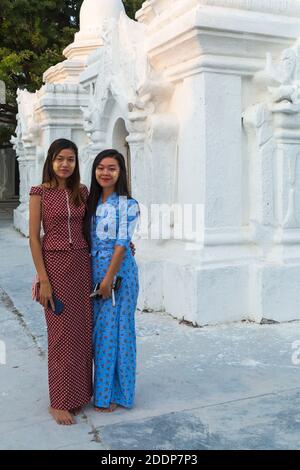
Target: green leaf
[{"x": 33, "y": 34}]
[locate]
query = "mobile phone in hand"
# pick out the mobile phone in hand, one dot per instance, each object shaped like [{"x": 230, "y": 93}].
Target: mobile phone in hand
[{"x": 58, "y": 306}]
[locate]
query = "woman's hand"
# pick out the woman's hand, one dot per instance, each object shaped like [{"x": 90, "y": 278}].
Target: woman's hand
[
  {"x": 46, "y": 294},
  {"x": 105, "y": 288},
  {"x": 132, "y": 247}
]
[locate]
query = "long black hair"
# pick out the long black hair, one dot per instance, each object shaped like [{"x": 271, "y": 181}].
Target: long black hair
[
  {"x": 49, "y": 177},
  {"x": 121, "y": 187}
]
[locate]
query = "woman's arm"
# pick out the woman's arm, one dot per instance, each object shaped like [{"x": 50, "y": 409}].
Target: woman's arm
[
  {"x": 128, "y": 218},
  {"x": 36, "y": 250},
  {"x": 116, "y": 261}
]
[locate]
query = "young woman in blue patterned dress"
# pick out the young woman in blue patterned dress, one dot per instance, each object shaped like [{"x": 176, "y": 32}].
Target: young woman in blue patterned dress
[{"x": 110, "y": 221}]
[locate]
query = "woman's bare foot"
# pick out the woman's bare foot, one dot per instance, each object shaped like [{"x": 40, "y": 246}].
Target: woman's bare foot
[
  {"x": 110, "y": 409},
  {"x": 62, "y": 416},
  {"x": 76, "y": 411}
]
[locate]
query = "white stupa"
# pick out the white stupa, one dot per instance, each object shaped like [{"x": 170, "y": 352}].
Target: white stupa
[{"x": 93, "y": 13}]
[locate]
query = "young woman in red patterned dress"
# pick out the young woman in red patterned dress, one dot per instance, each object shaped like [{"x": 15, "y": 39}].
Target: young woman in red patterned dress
[{"x": 63, "y": 265}]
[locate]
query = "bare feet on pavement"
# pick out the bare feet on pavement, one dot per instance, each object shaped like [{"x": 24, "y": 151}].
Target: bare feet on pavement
[
  {"x": 62, "y": 417},
  {"x": 111, "y": 408}
]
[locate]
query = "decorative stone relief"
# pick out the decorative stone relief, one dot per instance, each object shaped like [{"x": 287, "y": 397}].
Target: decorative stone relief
[
  {"x": 291, "y": 220},
  {"x": 257, "y": 121},
  {"x": 284, "y": 74},
  {"x": 29, "y": 128}
]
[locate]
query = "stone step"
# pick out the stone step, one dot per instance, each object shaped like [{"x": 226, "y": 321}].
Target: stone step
[{"x": 10, "y": 203}]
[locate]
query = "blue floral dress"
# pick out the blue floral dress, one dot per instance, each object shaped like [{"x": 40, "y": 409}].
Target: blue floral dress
[{"x": 114, "y": 338}]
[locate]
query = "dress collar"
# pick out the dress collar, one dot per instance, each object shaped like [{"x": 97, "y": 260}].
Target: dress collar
[{"x": 111, "y": 197}]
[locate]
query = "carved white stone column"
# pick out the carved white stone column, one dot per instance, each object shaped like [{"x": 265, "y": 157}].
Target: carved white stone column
[
  {"x": 162, "y": 141},
  {"x": 287, "y": 191},
  {"x": 7, "y": 161},
  {"x": 273, "y": 151},
  {"x": 25, "y": 145},
  {"x": 140, "y": 170},
  {"x": 27, "y": 174},
  {"x": 58, "y": 111},
  {"x": 210, "y": 164},
  {"x": 7, "y": 173},
  {"x": 262, "y": 151}
]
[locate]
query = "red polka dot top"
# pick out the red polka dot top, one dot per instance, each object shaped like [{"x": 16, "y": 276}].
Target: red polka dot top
[{"x": 62, "y": 220}]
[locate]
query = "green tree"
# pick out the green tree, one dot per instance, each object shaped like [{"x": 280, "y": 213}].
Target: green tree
[
  {"x": 132, "y": 6},
  {"x": 33, "y": 34}
]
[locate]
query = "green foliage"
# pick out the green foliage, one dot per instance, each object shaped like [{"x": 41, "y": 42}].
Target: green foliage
[
  {"x": 132, "y": 6},
  {"x": 33, "y": 34},
  {"x": 5, "y": 135}
]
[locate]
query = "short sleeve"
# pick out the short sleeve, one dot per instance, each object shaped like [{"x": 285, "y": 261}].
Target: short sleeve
[
  {"x": 129, "y": 213},
  {"x": 36, "y": 191}
]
